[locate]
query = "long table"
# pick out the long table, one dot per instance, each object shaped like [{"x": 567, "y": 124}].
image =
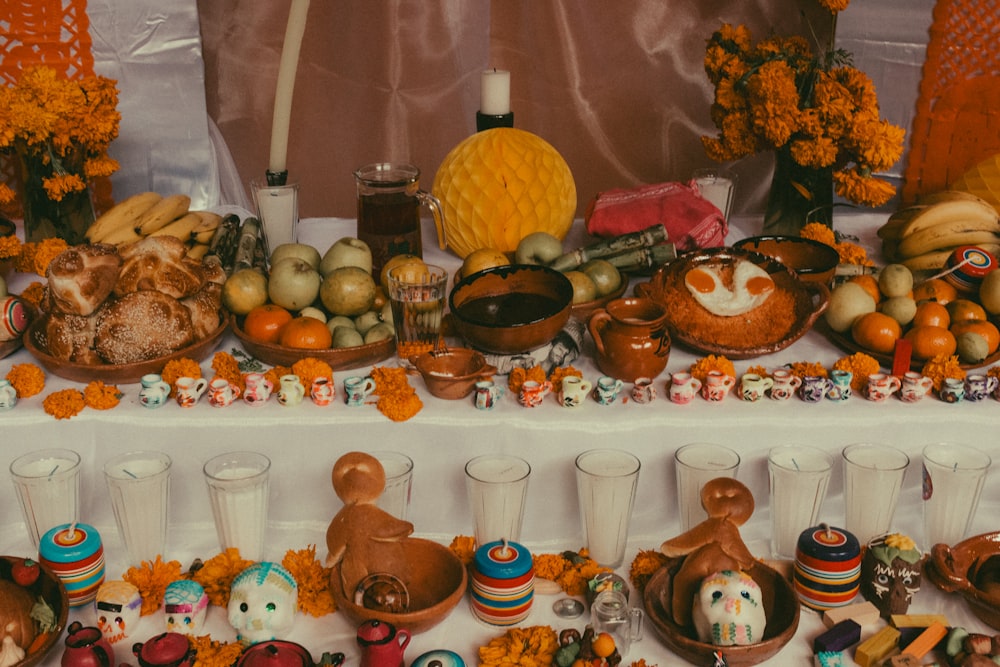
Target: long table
[{"x": 303, "y": 443}]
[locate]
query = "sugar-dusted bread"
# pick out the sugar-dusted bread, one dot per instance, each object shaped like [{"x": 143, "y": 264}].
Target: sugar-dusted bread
[
  {"x": 204, "y": 307},
  {"x": 159, "y": 263},
  {"x": 142, "y": 325},
  {"x": 69, "y": 337},
  {"x": 81, "y": 277}
]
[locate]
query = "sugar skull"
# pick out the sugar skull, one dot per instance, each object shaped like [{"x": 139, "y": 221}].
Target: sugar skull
[
  {"x": 891, "y": 571},
  {"x": 262, "y": 602},
  {"x": 729, "y": 610},
  {"x": 185, "y": 605},
  {"x": 118, "y": 606}
]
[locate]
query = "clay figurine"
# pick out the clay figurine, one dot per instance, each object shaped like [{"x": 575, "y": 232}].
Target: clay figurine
[
  {"x": 185, "y": 605},
  {"x": 729, "y": 610},
  {"x": 118, "y": 605},
  {"x": 262, "y": 603},
  {"x": 362, "y": 538},
  {"x": 891, "y": 570}
]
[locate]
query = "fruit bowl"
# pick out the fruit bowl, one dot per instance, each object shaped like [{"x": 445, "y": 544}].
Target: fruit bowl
[
  {"x": 338, "y": 358},
  {"x": 811, "y": 260},
  {"x": 49, "y": 587},
  {"x": 971, "y": 568}
]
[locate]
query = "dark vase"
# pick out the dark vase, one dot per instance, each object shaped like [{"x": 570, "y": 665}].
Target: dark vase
[
  {"x": 45, "y": 218},
  {"x": 799, "y": 195}
]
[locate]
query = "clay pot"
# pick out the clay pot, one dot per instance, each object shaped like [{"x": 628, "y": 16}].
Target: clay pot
[
  {"x": 631, "y": 338},
  {"x": 86, "y": 647},
  {"x": 167, "y": 649},
  {"x": 970, "y": 568},
  {"x": 452, "y": 373}
]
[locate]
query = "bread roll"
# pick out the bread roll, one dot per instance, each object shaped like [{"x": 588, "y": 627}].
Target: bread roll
[
  {"x": 142, "y": 325},
  {"x": 204, "y": 308},
  {"x": 81, "y": 277},
  {"x": 158, "y": 263},
  {"x": 69, "y": 337}
]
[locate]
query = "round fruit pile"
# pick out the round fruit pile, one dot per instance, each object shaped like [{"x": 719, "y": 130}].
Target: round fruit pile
[{"x": 933, "y": 316}]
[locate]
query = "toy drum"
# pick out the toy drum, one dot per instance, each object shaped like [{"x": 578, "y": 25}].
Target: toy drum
[
  {"x": 503, "y": 583},
  {"x": 75, "y": 554},
  {"x": 827, "y": 567}
]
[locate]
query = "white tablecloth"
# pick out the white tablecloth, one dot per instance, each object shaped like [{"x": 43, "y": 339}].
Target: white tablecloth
[{"x": 303, "y": 443}]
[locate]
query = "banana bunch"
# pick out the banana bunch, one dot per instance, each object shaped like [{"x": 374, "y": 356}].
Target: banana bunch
[
  {"x": 924, "y": 235},
  {"x": 149, "y": 214}
]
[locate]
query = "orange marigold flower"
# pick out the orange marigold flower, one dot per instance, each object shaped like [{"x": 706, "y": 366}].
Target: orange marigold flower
[
  {"x": 100, "y": 396},
  {"x": 518, "y": 376},
  {"x": 942, "y": 366},
  {"x": 558, "y": 373},
  {"x": 217, "y": 574},
  {"x": 464, "y": 548},
  {"x": 861, "y": 365},
  {"x": 852, "y": 253},
  {"x": 314, "y": 597},
  {"x": 175, "y": 369},
  {"x": 33, "y": 294},
  {"x": 64, "y": 404},
  {"x": 212, "y": 653},
  {"x": 274, "y": 375},
  {"x": 817, "y": 231},
  {"x": 834, "y": 6},
  {"x": 152, "y": 579},
  {"x": 702, "y": 367},
  {"x": 227, "y": 368},
  {"x": 28, "y": 379},
  {"x": 862, "y": 188},
  {"x": 533, "y": 646},
  {"x": 397, "y": 400},
  {"x": 10, "y": 246},
  {"x": 44, "y": 252},
  {"x": 310, "y": 368},
  {"x": 805, "y": 369},
  {"x": 572, "y": 571},
  {"x": 644, "y": 565},
  {"x": 758, "y": 370}
]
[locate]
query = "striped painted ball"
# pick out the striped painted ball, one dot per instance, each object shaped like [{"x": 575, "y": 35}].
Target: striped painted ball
[
  {"x": 503, "y": 583},
  {"x": 827, "y": 567},
  {"x": 14, "y": 317},
  {"x": 75, "y": 554}
]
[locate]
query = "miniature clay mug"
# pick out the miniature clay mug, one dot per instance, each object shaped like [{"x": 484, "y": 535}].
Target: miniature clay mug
[
  {"x": 574, "y": 391},
  {"x": 322, "y": 391},
  {"x": 487, "y": 394},
  {"x": 290, "y": 391},
  {"x": 881, "y": 386},
  {"x": 357, "y": 389},
  {"x": 611, "y": 613},
  {"x": 607, "y": 389},
  {"x": 754, "y": 386},
  {"x": 222, "y": 393},
  {"x": 533, "y": 392},
  {"x": 154, "y": 392},
  {"x": 840, "y": 385},
  {"x": 8, "y": 395},
  {"x": 785, "y": 385},
  {"x": 643, "y": 390},
  {"x": 86, "y": 647},
  {"x": 683, "y": 388},
  {"x": 978, "y": 386},
  {"x": 189, "y": 390},
  {"x": 813, "y": 388},
  {"x": 914, "y": 387},
  {"x": 716, "y": 386},
  {"x": 953, "y": 390},
  {"x": 631, "y": 338},
  {"x": 258, "y": 390}
]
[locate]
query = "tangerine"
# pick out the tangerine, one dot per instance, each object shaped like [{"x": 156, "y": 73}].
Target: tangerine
[
  {"x": 964, "y": 310},
  {"x": 603, "y": 645},
  {"x": 264, "y": 323},
  {"x": 877, "y": 332},
  {"x": 931, "y": 313},
  {"x": 306, "y": 333},
  {"x": 870, "y": 284},
  {"x": 935, "y": 289},
  {"x": 987, "y": 330},
  {"x": 930, "y": 341}
]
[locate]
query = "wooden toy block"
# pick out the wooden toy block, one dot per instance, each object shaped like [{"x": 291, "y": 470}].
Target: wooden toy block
[
  {"x": 862, "y": 613},
  {"x": 917, "y": 620},
  {"x": 927, "y": 640},
  {"x": 877, "y": 647},
  {"x": 830, "y": 659},
  {"x": 838, "y": 638}
]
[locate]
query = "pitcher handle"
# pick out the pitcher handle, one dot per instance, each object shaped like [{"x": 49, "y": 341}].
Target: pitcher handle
[
  {"x": 595, "y": 324},
  {"x": 431, "y": 202}
]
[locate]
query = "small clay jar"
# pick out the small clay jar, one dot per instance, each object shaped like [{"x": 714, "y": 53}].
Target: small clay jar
[{"x": 631, "y": 338}]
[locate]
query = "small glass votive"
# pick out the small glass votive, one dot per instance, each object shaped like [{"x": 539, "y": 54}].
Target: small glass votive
[
  {"x": 718, "y": 186},
  {"x": 278, "y": 210}
]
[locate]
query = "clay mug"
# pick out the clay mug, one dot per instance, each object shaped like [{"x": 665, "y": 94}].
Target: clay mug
[
  {"x": 683, "y": 388},
  {"x": 607, "y": 389},
  {"x": 785, "y": 385},
  {"x": 611, "y": 613},
  {"x": 979, "y": 386},
  {"x": 382, "y": 645},
  {"x": 290, "y": 391},
  {"x": 631, "y": 338},
  {"x": 357, "y": 389},
  {"x": 8, "y": 395},
  {"x": 154, "y": 392},
  {"x": 574, "y": 391},
  {"x": 643, "y": 390},
  {"x": 953, "y": 390},
  {"x": 813, "y": 388},
  {"x": 716, "y": 386},
  {"x": 189, "y": 390},
  {"x": 487, "y": 394},
  {"x": 754, "y": 386},
  {"x": 258, "y": 390},
  {"x": 882, "y": 386},
  {"x": 533, "y": 392},
  {"x": 840, "y": 385},
  {"x": 914, "y": 387},
  {"x": 322, "y": 391},
  {"x": 222, "y": 393},
  {"x": 86, "y": 647}
]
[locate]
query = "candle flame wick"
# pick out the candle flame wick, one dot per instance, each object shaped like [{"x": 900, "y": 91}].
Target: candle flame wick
[
  {"x": 795, "y": 463},
  {"x": 53, "y": 471},
  {"x": 503, "y": 549},
  {"x": 129, "y": 473},
  {"x": 72, "y": 531}
]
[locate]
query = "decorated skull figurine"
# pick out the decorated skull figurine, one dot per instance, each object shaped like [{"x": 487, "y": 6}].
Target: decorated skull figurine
[
  {"x": 262, "y": 602},
  {"x": 118, "y": 605},
  {"x": 185, "y": 605},
  {"x": 729, "y": 609},
  {"x": 891, "y": 571}
]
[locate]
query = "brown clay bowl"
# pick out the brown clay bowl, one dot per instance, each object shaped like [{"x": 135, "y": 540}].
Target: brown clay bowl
[
  {"x": 52, "y": 590},
  {"x": 436, "y": 585},
  {"x": 452, "y": 373},
  {"x": 338, "y": 358},
  {"x": 811, "y": 260},
  {"x": 971, "y": 568},
  {"x": 780, "y": 604},
  {"x": 511, "y": 309}
]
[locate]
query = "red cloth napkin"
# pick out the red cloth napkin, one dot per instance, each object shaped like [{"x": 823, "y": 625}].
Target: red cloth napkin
[{"x": 691, "y": 221}]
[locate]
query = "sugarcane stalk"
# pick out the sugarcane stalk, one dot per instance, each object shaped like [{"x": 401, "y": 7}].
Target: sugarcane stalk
[
  {"x": 246, "y": 244},
  {"x": 644, "y": 258},
  {"x": 651, "y": 236}
]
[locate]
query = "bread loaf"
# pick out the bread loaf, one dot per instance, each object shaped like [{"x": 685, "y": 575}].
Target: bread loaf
[
  {"x": 81, "y": 278},
  {"x": 142, "y": 325}
]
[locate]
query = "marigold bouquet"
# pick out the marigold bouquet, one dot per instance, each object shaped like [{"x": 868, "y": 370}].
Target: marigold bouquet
[{"x": 815, "y": 109}]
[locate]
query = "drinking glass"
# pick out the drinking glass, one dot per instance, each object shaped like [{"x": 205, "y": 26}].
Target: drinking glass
[
  {"x": 798, "y": 476},
  {"x": 395, "y": 498},
  {"x": 698, "y": 463},
  {"x": 606, "y": 481},
  {"x": 139, "y": 485},
  {"x": 497, "y": 485},
  {"x": 873, "y": 477},
  {"x": 47, "y": 482},
  {"x": 239, "y": 488},
  {"x": 954, "y": 475}
]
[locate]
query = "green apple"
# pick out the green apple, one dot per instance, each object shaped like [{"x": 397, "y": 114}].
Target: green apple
[
  {"x": 339, "y": 321},
  {"x": 348, "y": 290},
  {"x": 313, "y": 312},
  {"x": 538, "y": 248},
  {"x": 584, "y": 289},
  {"x": 380, "y": 331},
  {"x": 347, "y": 251},
  {"x": 346, "y": 337},
  {"x": 293, "y": 283},
  {"x": 244, "y": 290},
  {"x": 366, "y": 321},
  {"x": 482, "y": 259},
  {"x": 606, "y": 276},
  {"x": 306, "y": 253}
]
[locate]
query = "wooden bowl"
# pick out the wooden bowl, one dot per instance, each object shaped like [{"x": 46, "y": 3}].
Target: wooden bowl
[
  {"x": 116, "y": 373},
  {"x": 452, "y": 373},
  {"x": 52, "y": 590},
  {"x": 511, "y": 309},
  {"x": 811, "y": 260},
  {"x": 972, "y": 569},
  {"x": 780, "y": 604},
  {"x": 338, "y": 358},
  {"x": 436, "y": 585}
]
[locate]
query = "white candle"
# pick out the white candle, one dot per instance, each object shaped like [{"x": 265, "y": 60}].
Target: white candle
[
  {"x": 286, "y": 83},
  {"x": 139, "y": 485},
  {"x": 238, "y": 487},
  {"x": 495, "y": 93},
  {"x": 798, "y": 479}
]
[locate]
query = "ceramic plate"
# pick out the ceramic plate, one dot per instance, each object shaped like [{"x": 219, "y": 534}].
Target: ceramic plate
[
  {"x": 339, "y": 359},
  {"x": 847, "y": 344}
]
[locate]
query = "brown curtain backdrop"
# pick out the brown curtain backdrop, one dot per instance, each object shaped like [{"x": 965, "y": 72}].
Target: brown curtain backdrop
[{"x": 617, "y": 87}]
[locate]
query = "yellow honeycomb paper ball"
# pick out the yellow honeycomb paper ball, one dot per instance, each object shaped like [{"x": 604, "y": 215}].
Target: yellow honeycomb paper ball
[{"x": 499, "y": 185}]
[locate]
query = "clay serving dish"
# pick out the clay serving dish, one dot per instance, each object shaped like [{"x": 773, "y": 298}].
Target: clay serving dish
[
  {"x": 810, "y": 300},
  {"x": 511, "y": 309},
  {"x": 452, "y": 373},
  {"x": 780, "y": 604},
  {"x": 338, "y": 358},
  {"x": 811, "y": 260},
  {"x": 436, "y": 585},
  {"x": 971, "y": 568},
  {"x": 52, "y": 590},
  {"x": 116, "y": 373}
]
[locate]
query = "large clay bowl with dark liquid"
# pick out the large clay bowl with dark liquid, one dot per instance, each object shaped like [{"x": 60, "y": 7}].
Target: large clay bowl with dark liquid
[{"x": 971, "y": 568}]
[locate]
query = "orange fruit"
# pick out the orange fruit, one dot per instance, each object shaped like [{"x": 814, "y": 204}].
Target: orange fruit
[
  {"x": 936, "y": 289},
  {"x": 930, "y": 341},
  {"x": 306, "y": 333},
  {"x": 870, "y": 285},
  {"x": 931, "y": 313},
  {"x": 877, "y": 332},
  {"x": 987, "y": 330},
  {"x": 963, "y": 310},
  {"x": 264, "y": 323},
  {"x": 603, "y": 645}
]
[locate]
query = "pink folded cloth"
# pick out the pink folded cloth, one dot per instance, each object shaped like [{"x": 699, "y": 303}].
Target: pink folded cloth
[{"x": 691, "y": 221}]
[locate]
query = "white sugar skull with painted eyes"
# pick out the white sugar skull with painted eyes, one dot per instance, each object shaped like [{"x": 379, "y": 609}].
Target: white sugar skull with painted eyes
[
  {"x": 262, "y": 602},
  {"x": 185, "y": 605},
  {"x": 729, "y": 610},
  {"x": 118, "y": 605}
]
